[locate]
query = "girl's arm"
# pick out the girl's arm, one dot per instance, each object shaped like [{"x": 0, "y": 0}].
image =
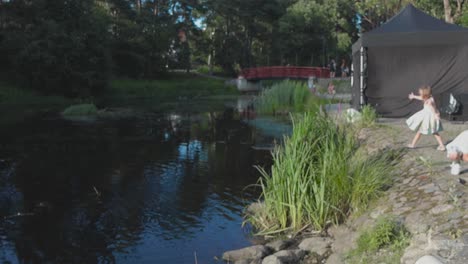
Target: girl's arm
[{"x": 411, "y": 96}]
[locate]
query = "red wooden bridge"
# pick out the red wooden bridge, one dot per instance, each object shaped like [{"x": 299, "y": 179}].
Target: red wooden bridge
[{"x": 276, "y": 72}]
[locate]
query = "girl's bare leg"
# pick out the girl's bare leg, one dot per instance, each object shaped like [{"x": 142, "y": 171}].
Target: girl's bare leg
[
  {"x": 439, "y": 140},
  {"x": 415, "y": 139},
  {"x": 465, "y": 157}
]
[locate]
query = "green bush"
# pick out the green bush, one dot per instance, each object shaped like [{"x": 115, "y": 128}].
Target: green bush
[
  {"x": 80, "y": 110},
  {"x": 205, "y": 69},
  {"x": 58, "y": 57},
  {"x": 318, "y": 178},
  {"x": 286, "y": 96},
  {"x": 387, "y": 234},
  {"x": 369, "y": 116}
]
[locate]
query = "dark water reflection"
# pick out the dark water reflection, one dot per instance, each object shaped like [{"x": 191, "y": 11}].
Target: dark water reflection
[{"x": 152, "y": 189}]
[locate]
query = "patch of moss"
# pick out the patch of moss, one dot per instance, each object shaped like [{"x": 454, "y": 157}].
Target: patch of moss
[
  {"x": 385, "y": 242},
  {"x": 81, "y": 110}
]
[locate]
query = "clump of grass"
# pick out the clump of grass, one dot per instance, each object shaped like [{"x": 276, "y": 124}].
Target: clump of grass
[
  {"x": 317, "y": 178},
  {"x": 80, "y": 110},
  {"x": 287, "y": 96},
  {"x": 387, "y": 236},
  {"x": 368, "y": 116}
]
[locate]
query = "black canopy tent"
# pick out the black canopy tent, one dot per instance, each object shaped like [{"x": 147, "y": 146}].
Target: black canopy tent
[{"x": 410, "y": 50}]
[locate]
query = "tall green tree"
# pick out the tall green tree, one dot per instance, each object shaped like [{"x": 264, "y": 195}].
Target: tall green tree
[{"x": 56, "y": 46}]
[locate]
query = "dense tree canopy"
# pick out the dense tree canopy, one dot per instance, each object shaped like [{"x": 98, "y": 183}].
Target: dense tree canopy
[{"x": 74, "y": 47}]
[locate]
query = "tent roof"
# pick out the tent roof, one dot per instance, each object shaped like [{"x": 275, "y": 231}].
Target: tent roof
[
  {"x": 413, "y": 27},
  {"x": 411, "y": 19}
]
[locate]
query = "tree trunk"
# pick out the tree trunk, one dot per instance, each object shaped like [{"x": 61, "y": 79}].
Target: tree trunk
[
  {"x": 156, "y": 7},
  {"x": 448, "y": 11},
  {"x": 138, "y": 6}
]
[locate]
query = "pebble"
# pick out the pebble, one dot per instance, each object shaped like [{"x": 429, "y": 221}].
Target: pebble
[{"x": 428, "y": 260}]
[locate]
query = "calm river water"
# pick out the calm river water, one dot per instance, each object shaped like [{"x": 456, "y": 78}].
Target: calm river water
[{"x": 157, "y": 188}]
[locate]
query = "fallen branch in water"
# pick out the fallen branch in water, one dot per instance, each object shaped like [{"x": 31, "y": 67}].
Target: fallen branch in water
[
  {"x": 19, "y": 214},
  {"x": 98, "y": 194}
]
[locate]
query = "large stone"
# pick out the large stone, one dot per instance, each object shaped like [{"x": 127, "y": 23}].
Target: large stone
[
  {"x": 285, "y": 257},
  {"x": 335, "y": 259},
  {"x": 414, "y": 224},
  {"x": 279, "y": 244},
  {"x": 428, "y": 260},
  {"x": 248, "y": 253},
  {"x": 319, "y": 245}
]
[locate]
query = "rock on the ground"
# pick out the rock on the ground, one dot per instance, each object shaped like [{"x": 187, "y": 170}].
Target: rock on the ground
[
  {"x": 415, "y": 224},
  {"x": 428, "y": 260},
  {"x": 248, "y": 253},
  {"x": 285, "y": 257},
  {"x": 319, "y": 245},
  {"x": 442, "y": 208},
  {"x": 334, "y": 259},
  {"x": 279, "y": 244},
  {"x": 249, "y": 261}
]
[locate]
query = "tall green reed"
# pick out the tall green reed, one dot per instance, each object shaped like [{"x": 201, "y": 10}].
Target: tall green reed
[
  {"x": 285, "y": 96},
  {"x": 369, "y": 116},
  {"x": 318, "y": 177}
]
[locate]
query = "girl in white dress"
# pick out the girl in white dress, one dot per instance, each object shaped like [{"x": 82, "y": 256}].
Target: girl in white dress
[{"x": 426, "y": 121}]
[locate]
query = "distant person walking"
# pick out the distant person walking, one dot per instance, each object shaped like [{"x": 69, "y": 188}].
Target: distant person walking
[
  {"x": 344, "y": 68},
  {"x": 426, "y": 121},
  {"x": 332, "y": 66}
]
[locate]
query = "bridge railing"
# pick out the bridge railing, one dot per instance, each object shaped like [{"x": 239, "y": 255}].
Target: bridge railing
[{"x": 284, "y": 72}]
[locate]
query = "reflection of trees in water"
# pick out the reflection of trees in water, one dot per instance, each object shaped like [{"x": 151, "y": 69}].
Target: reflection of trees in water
[{"x": 156, "y": 171}]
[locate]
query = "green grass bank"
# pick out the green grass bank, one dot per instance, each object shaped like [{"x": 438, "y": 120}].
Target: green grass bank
[
  {"x": 175, "y": 87},
  {"x": 175, "y": 90}
]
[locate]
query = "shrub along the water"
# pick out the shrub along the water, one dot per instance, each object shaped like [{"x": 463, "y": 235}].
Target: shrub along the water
[
  {"x": 318, "y": 176},
  {"x": 287, "y": 96},
  {"x": 283, "y": 96}
]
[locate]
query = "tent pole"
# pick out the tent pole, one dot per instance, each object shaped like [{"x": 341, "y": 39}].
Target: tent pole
[{"x": 361, "y": 76}]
